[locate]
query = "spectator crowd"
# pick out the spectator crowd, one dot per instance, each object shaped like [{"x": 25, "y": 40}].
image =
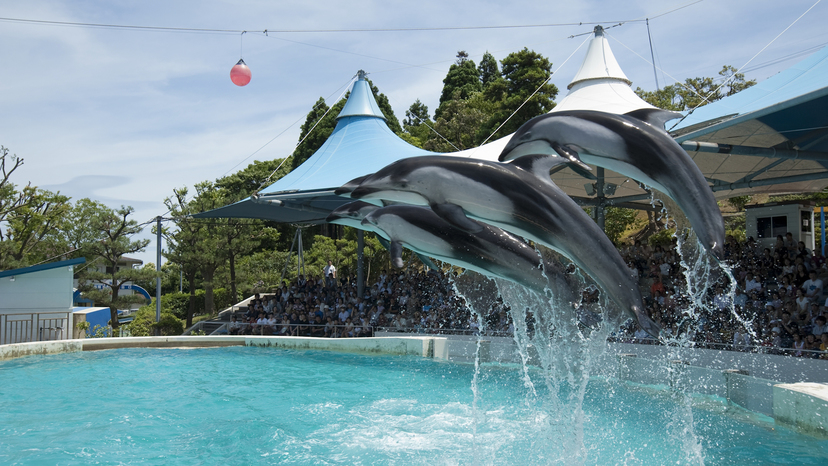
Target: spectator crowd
[{"x": 778, "y": 305}]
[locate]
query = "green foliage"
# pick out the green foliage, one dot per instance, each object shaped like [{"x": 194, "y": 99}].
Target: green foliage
[
  {"x": 458, "y": 124},
  {"x": 144, "y": 325},
  {"x": 99, "y": 331},
  {"x": 735, "y": 226},
  {"x": 488, "y": 69},
  {"x": 696, "y": 92},
  {"x": 417, "y": 124},
  {"x": 115, "y": 230},
  {"x": 30, "y": 219},
  {"x": 523, "y": 90},
  {"x": 461, "y": 82},
  {"x": 616, "y": 221},
  {"x": 243, "y": 183},
  {"x": 662, "y": 238},
  {"x": 739, "y": 202},
  {"x": 476, "y": 101}
]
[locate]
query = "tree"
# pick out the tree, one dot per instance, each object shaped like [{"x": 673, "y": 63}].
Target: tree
[
  {"x": 417, "y": 124},
  {"x": 458, "y": 124},
  {"x": 197, "y": 244},
  {"x": 29, "y": 218},
  {"x": 696, "y": 92},
  {"x": 488, "y": 69},
  {"x": 116, "y": 230},
  {"x": 522, "y": 92},
  {"x": 461, "y": 82}
]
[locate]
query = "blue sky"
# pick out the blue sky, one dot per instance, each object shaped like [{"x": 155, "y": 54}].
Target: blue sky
[{"x": 125, "y": 116}]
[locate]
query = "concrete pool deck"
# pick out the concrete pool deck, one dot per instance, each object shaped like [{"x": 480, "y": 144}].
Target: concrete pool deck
[{"x": 802, "y": 406}]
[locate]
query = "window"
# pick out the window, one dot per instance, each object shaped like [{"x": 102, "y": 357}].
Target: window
[
  {"x": 806, "y": 220},
  {"x": 771, "y": 227}
]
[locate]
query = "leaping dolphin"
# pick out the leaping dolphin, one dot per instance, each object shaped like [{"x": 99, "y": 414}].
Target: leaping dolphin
[
  {"x": 353, "y": 213},
  {"x": 634, "y": 145},
  {"x": 491, "y": 251},
  {"x": 519, "y": 197}
]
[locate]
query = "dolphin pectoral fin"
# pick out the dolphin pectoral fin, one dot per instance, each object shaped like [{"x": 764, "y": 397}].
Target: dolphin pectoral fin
[
  {"x": 453, "y": 214},
  {"x": 570, "y": 154},
  {"x": 384, "y": 242},
  {"x": 654, "y": 116},
  {"x": 427, "y": 262},
  {"x": 396, "y": 254}
]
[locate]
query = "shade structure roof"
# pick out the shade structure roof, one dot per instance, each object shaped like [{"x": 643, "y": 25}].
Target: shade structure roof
[
  {"x": 786, "y": 114},
  {"x": 770, "y": 138},
  {"x": 360, "y": 144}
]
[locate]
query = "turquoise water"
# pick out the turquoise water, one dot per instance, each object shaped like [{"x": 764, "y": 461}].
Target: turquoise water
[{"x": 269, "y": 406}]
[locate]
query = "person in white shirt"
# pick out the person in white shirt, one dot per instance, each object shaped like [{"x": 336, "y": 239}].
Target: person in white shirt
[
  {"x": 813, "y": 286},
  {"x": 752, "y": 284}
]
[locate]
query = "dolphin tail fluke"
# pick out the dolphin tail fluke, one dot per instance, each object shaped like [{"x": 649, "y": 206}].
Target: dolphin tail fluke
[
  {"x": 453, "y": 214},
  {"x": 396, "y": 254},
  {"x": 648, "y": 325}
]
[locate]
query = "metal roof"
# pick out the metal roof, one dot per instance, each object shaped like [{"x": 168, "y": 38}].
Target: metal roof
[{"x": 42, "y": 267}]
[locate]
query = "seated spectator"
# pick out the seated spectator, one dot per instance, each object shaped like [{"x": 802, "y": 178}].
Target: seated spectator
[
  {"x": 820, "y": 326},
  {"x": 752, "y": 284},
  {"x": 813, "y": 286},
  {"x": 234, "y": 328},
  {"x": 803, "y": 304}
]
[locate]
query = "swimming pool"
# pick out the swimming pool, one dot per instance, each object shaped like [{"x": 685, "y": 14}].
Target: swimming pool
[{"x": 242, "y": 405}]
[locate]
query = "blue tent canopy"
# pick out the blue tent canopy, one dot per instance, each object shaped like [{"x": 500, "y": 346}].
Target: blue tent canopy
[{"x": 360, "y": 143}]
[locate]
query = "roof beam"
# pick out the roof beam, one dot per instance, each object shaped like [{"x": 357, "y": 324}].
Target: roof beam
[
  {"x": 712, "y": 147},
  {"x": 723, "y": 186}
]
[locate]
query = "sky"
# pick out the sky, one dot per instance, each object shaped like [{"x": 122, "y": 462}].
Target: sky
[{"x": 125, "y": 115}]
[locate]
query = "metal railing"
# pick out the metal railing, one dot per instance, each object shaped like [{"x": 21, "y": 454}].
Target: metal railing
[
  {"x": 302, "y": 330},
  {"x": 743, "y": 348}
]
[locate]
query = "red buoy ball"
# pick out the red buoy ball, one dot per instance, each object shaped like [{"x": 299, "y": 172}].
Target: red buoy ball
[{"x": 240, "y": 74}]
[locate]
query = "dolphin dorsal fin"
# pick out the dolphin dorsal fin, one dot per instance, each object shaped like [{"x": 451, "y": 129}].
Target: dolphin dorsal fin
[
  {"x": 539, "y": 165},
  {"x": 654, "y": 116}
]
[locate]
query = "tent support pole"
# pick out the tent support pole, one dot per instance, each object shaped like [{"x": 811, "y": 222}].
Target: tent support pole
[{"x": 360, "y": 263}]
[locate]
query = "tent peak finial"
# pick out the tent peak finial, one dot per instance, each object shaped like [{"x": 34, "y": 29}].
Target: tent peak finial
[
  {"x": 361, "y": 75},
  {"x": 598, "y": 31}
]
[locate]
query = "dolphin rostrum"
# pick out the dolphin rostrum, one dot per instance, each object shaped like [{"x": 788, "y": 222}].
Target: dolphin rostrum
[
  {"x": 634, "y": 145},
  {"x": 491, "y": 251},
  {"x": 519, "y": 197},
  {"x": 353, "y": 213}
]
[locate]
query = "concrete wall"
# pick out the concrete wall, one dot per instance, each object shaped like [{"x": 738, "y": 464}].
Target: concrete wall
[
  {"x": 803, "y": 406},
  {"x": 426, "y": 346}
]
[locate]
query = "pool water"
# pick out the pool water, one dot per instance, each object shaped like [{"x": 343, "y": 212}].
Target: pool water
[{"x": 265, "y": 406}]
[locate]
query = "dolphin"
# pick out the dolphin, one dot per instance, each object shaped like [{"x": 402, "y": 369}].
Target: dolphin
[
  {"x": 345, "y": 191},
  {"x": 519, "y": 197},
  {"x": 353, "y": 213},
  {"x": 491, "y": 251},
  {"x": 634, "y": 145}
]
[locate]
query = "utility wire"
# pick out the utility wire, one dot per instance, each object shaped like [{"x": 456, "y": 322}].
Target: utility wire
[{"x": 305, "y": 31}]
